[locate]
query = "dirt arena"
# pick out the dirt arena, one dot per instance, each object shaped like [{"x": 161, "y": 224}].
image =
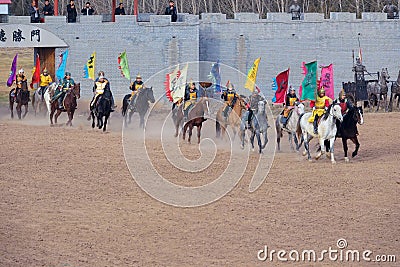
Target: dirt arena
[{"x": 68, "y": 199}]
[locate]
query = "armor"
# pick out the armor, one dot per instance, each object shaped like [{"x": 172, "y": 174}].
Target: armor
[{"x": 359, "y": 70}]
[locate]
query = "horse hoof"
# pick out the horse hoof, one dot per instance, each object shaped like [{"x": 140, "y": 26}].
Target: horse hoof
[
  {"x": 309, "y": 160},
  {"x": 333, "y": 161},
  {"x": 304, "y": 153},
  {"x": 353, "y": 155},
  {"x": 242, "y": 146},
  {"x": 318, "y": 156},
  {"x": 346, "y": 159}
]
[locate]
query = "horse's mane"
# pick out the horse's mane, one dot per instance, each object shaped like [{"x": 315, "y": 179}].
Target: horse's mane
[{"x": 328, "y": 111}]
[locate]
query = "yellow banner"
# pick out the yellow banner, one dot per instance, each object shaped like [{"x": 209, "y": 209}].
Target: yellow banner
[
  {"x": 252, "y": 75},
  {"x": 89, "y": 67}
]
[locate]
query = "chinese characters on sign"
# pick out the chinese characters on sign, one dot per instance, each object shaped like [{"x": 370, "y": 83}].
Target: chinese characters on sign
[{"x": 18, "y": 35}]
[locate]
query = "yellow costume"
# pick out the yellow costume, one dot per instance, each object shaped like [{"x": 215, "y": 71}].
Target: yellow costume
[
  {"x": 45, "y": 80},
  {"x": 320, "y": 105},
  {"x": 192, "y": 99},
  {"x": 100, "y": 87}
]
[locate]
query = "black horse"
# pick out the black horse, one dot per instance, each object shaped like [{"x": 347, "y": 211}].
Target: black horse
[
  {"x": 101, "y": 109},
  {"x": 348, "y": 130},
  {"x": 140, "y": 104},
  {"x": 22, "y": 99}
]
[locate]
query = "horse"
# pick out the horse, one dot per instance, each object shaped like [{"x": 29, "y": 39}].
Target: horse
[
  {"x": 291, "y": 126},
  {"x": 140, "y": 104},
  {"x": 195, "y": 118},
  {"x": 348, "y": 130},
  {"x": 326, "y": 130},
  {"x": 234, "y": 118},
  {"x": 395, "y": 93},
  {"x": 102, "y": 109},
  {"x": 22, "y": 99},
  {"x": 259, "y": 125},
  {"x": 383, "y": 84},
  {"x": 38, "y": 99},
  {"x": 70, "y": 104},
  {"x": 48, "y": 94}
]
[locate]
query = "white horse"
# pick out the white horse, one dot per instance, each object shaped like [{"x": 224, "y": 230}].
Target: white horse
[
  {"x": 326, "y": 130},
  {"x": 291, "y": 126},
  {"x": 50, "y": 89}
]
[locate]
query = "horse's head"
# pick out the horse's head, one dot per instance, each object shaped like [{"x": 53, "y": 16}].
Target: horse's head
[
  {"x": 206, "y": 105},
  {"x": 299, "y": 108},
  {"x": 385, "y": 75},
  {"x": 147, "y": 93},
  {"x": 77, "y": 90},
  {"x": 261, "y": 106},
  {"x": 336, "y": 111},
  {"x": 241, "y": 102}
]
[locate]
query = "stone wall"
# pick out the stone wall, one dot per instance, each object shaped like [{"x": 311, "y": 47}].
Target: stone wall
[{"x": 158, "y": 44}]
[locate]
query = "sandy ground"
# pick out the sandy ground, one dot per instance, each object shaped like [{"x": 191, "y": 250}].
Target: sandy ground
[{"x": 67, "y": 198}]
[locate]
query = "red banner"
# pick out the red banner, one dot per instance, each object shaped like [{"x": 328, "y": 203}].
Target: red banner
[
  {"x": 282, "y": 81},
  {"x": 36, "y": 74}
]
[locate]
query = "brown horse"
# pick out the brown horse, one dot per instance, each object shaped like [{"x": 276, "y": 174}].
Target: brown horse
[
  {"x": 70, "y": 104},
  {"x": 22, "y": 99},
  {"x": 195, "y": 118},
  {"x": 395, "y": 93},
  {"x": 234, "y": 118}
]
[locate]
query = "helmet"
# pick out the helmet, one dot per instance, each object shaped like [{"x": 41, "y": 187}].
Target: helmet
[
  {"x": 230, "y": 86},
  {"x": 21, "y": 71},
  {"x": 45, "y": 70},
  {"x": 138, "y": 76},
  {"x": 342, "y": 93},
  {"x": 68, "y": 73},
  {"x": 101, "y": 73},
  {"x": 322, "y": 90}
]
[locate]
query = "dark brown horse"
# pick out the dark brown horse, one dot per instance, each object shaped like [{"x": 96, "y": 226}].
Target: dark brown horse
[
  {"x": 395, "y": 93},
  {"x": 70, "y": 104},
  {"x": 195, "y": 118},
  {"x": 22, "y": 99}
]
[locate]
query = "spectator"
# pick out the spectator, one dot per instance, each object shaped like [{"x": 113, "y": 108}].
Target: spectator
[
  {"x": 34, "y": 12},
  {"x": 48, "y": 9},
  {"x": 391, "y": 10},
  {"x": 171, "y": 10},
  {"x": 295, "y": 10},
  {"x": 87, "y": 10},
  {"x": 71, "y": 10},
  {"x": 120, "y": 10}
]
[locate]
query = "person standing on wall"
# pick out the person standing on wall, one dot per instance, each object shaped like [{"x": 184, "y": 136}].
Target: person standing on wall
[
  {"x": 120, "y": 10},
  {"x": 71, "y": 10},
  {"x": 87, "y": 10},
  {"x": 48, "y": 9},
  {"x": 171, "y": 10},
  {"x": 34, "y": 12}
]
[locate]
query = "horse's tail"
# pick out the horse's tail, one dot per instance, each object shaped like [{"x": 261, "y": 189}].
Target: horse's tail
[
  {"x": 278, "y": 127},
  {"x": 125, "y": 104},
  {"x": 217, "y": 128}
]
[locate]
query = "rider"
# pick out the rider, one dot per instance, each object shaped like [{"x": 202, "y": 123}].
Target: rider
[
  {"x": 191, "y": 95},
  {"x": 45, "y": 80},
  {"x": 290, "y": 102},
  {"x": 135, "y": 86},
  {"x": 102, "y": 86},
  {"x": 252, "y": 105},
  {"x": 67, "y": 83},
  {"x": 319, "y": 106},
  {"x": 19, "y": 80},
  {"x": 345, "y": 105},
  {"x": 230, "y": 97}
]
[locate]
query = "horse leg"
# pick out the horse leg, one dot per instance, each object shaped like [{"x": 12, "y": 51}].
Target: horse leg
[
  {"x": 355, "y": 141},
  {"x": 141, "y": 124},
  {"x": 100, "y": 121},
  {"x": 253, "y": 134},
  {"x": 322, "y": 148},
  {"x": 259, "y": 142},
  {"x": 184, "y": 131},
  {"x": 18, "y": 108},
  {"x": 26, "y": 111},
  {"x": 296, "y": 142},
  {"x": 93, "y": 119},
  {"x": 332, "y": 142},
  {"x": 71, "y": 117},
  {"x": 51, "y": 116},
  {"x": 278, "y": 137},
  {"x": 242, "y": 134},
  {"x": 307, "y": 147},
  {"x": 105, "y": 122},
  {"x": 12, "y": 109},
  {"x": 190, "y": 133},
  {"x": 58, "y": 113},
  {"x": 199, "y": 133},
  {"x": 266, "y": 139},
  {"x": 290, "y": 142},
  {"x": 130, "y": 116}
]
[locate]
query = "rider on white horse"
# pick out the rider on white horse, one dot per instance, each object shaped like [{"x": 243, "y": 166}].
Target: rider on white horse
[
  {"x": 319, "y": 106},
  {"x": 45, "y": 80}
]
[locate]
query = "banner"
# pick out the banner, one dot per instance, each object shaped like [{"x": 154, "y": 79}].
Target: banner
[
  {"x": 327, "y": 81},
  {"x": 252, "y": 75},
  {"x": 36, "y": 73},
  {"x": 309, "y": 84},
  {"x": 215, "y": 77},
  {"x": 179, "y": 90},
  {"x": 88, "y": 69},
  {"x": 63, "y": 64},
  {"x": 123, "y": 65},
  {"x": 13, "y": 72},
  {"x": 170, "y": 82},
  {"x": 280, "y": 86}
]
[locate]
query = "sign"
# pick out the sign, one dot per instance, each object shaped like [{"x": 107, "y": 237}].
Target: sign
[{"x": 19, "y": 35}]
